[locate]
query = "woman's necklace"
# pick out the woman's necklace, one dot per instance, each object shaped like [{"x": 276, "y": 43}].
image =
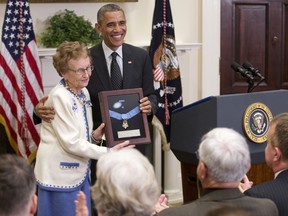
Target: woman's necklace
[{"x": 82, "y": 100}]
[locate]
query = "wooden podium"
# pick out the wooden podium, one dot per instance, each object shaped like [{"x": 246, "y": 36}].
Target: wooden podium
[{"x": 191, "y": 122}]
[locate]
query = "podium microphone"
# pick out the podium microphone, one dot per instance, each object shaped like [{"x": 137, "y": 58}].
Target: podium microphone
[
  {"x": 254, "y": 71},
  {"x": 242, "y": 71}
]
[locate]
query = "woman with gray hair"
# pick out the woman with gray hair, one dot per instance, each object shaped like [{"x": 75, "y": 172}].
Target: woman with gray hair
[{"x": 126, "y": 186}]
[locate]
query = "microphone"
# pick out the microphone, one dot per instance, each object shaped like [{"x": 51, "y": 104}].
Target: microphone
[
  {"x": 242, "y": 71},
  {"x": 254, "y": 71}
]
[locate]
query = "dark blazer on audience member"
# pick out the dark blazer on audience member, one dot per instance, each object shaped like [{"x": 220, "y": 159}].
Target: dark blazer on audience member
[
  {"x": 276, "y": 190},
  {"x": 218, "y": 197},
  {"x": 137, "y": 73}
]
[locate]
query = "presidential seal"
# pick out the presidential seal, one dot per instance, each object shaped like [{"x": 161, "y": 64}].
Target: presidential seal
[{"x": 256, "y": 120}]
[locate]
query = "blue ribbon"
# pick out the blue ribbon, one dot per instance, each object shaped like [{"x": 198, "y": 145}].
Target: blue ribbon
[{"x": 124, "y": 116}]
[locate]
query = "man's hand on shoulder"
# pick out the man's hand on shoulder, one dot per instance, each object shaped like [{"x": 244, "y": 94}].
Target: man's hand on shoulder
[{"x": 45, "y": 113}]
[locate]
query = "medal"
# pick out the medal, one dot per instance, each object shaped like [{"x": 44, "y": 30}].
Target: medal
[
  {"x": 125, "y": 117},
  {"x": 125, "y": 124}
]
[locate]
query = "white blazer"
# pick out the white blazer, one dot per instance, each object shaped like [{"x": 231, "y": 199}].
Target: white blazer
[{"x": 63, "y": 155}]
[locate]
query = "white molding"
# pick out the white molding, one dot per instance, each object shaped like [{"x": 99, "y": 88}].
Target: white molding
[{"x": 48, "y": 52}]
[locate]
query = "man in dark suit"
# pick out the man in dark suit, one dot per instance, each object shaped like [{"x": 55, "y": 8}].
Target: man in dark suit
[
  {"x": 224, "y": 159},
  {"x": 134, "y": 62},
  {"x": 276, "y": 156}
]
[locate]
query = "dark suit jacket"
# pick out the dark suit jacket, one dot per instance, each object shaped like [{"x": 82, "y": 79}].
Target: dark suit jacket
[
  {"x": 276, "y": 190},
  {"x": 220, "y": 197},
  {"x": 137, "y": 73}
]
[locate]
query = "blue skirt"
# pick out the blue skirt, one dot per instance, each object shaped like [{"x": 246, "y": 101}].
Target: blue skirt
[{"x": 60, "y": 202}]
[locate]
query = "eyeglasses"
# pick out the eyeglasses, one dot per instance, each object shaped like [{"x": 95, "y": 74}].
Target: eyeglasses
[
  {"x": 197, "y": 154},
  {"x": 82, "y": 71}
]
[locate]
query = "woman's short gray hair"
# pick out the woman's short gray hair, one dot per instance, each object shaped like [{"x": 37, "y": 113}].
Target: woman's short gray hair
[{"x": 126, "y": 184}]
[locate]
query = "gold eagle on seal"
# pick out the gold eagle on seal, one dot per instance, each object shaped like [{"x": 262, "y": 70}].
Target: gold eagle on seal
[{"x": 168, "y": 60}]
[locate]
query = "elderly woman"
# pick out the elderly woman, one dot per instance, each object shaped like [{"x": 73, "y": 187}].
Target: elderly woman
[
  {"x": 63, "y": 158},
  {"x": 126, "y": 185}
]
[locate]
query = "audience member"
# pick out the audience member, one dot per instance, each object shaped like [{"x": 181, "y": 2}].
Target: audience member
[
  {"x": 224, "y": 159},
  {"x": 276, "y": 156},
  {"x": 126, "y": 185},
  {"x": 17, "y": 187},
  {"x": 227, "y": 211},
  {"x": 64, "y": 153}
]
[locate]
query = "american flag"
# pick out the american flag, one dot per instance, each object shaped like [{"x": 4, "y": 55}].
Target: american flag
[
  {"x": 167, "y": 80},
  {"x": 20, "y": 79}
]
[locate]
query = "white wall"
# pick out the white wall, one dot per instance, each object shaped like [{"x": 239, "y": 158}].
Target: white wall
[
  {"x": 187, "y": 16},
  {"x": 197, "y": 33},
  {"x": 139, "y": 16}
]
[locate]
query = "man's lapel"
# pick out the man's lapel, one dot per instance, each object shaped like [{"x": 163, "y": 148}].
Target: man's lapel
[
  {"x": 127, "y": 67},
  {"x": 101, "y": 68}
]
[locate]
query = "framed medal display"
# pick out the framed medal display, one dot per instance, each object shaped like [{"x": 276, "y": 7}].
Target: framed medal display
[{"x": 120, "y": 110}]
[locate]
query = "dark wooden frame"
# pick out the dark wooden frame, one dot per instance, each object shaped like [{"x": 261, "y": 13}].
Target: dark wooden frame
[
  {"x": 126, "y": 99},
  {"x": 73, "y": 1}
]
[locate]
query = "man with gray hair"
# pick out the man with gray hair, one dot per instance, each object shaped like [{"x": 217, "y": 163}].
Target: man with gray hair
[
  {"x": 224, "y": 159},
  {"x": 17, "y": 187}
]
